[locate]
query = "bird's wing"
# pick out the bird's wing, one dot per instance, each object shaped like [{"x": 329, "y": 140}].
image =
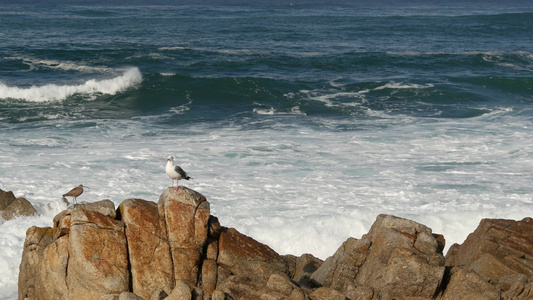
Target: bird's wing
[{"x": 180, "y": 171}]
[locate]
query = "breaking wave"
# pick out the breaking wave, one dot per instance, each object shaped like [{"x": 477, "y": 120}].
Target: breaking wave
[{"x": 53, "y": 92}]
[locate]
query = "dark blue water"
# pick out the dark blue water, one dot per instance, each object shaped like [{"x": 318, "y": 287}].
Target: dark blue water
[{"x": 438, "y": 60}]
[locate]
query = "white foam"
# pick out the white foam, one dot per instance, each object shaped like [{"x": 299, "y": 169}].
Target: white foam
[
  {"x": 294, "y": 188},
  {"x": 53, "y": 92},
  {"x": 271, "y": 111},
  {"x": 397, "y": 85}
]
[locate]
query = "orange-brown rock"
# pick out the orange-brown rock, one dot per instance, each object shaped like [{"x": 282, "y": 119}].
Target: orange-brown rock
[
  {"x": 148, "y": 248},
  {"x": 186, "y": 215},
  {"x": 51, "y": 277},
  {"x": 37, "y": 239},
  {"x": 98, "y": 256},
  {"x": 245, "y": 265}
]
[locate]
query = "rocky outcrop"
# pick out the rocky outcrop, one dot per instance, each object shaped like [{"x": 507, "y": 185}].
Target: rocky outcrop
[
  {"x": 397, "y": 258},
  {"x": 175, "y": 249},
  {"x": 12, "y": 207},
  {"x": 496, "y": 260}
]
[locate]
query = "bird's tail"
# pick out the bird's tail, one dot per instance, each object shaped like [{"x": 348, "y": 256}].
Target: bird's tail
[{"x": 187, "y": 178}]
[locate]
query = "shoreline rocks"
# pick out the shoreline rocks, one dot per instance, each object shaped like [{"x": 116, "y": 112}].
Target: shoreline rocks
[
  {"x": 12, "y": 207},
  {"x": 175, "y": 249}
]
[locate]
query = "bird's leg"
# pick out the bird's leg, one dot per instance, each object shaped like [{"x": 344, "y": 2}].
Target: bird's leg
[{"x": 177, "y": 184}]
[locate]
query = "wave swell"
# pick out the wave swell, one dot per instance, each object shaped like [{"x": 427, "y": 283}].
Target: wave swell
[{"x": 53, "y": 92}]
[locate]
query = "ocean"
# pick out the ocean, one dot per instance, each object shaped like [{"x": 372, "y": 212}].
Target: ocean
[{"x": 300, "y": 121}]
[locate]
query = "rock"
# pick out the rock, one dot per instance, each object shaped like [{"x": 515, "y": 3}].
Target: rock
[
  {"x": 245, "y": 256},
  {"x": 496, "y": 249},
  {"x": 186, "y": 215},
  {"x": 324, "y": 293},
  {"x": 176, "y": 250},
  {"x": 158, "y": 295},
  {"x": 37, "y": 239},
  {"x": 280, "y": 284},
  {"x": 499, "y": 253},
  {"x": 214, "y": 227},
  {"x": 218, "y": 295},
  {"x": 6, "y": 198},
  {"x": 51, "y": 277},
  {"x": 181, "y": 291},
  {"x": 465, "y": 285},
  {"x": 359, "y": 293},
  {"x": 245, "y": 265},
  {"x": 19, "y": 207},
  {"x": 148, "y": 248},
  {"x": 98, "y": 256},
  {"x": 104, "y": 207},
  {"x": 129, "y": 296},
  {"x": 306, "y": 265},
  {"x": 209, "y": 276},
  {"x": 397, "y": 258},
  {"x": 340, "y": 270}
]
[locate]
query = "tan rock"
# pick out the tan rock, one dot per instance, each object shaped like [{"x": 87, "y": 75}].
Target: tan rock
[
  {"x": 245, "y": 256},
  {"x": 306, "y": 265},
  {"x": 496, "y": 249},
  {"x": 340, "y": 270},
  {"x": 19, "y": 208},
  {"x": 186, "y": 214},
  {"x": 403, "y": 260},
  {"x": 148, "y": 248},
  {"x": 37, "y": 239},
  {"x": 182, "y": 291},
  {"x": 6, "y": 198},
  {"x": 158, "y": 295},
  {"x": 397, "y": 258},
  {"x": 98, "y": 262},
  {"x": 218, "y": 295},
  {"x": 105, "y": 207},
  {"x": 324, "y": 293},
  {"x": 465, "y": 285},
  {"x": 129, "y": 296},
  {"x": 280, "y": 283},
  {"x": 209, "y": 276},
  {"x": 51, "y": 276}
]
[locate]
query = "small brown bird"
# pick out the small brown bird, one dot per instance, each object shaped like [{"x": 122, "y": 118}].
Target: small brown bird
[{"x": 75, "y": 192}]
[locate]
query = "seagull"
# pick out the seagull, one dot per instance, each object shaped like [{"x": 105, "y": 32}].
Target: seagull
[
  {"x": 75, "y": 192},
  {"x": 175, "y": 172}
]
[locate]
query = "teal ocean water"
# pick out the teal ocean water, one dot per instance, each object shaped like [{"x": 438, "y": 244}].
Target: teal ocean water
[{"x": 299, "y": 121}]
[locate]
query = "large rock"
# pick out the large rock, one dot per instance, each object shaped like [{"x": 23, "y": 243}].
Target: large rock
[
  {"x": 98, "y": 256},
  {"x": 37, "y": 239},
  {"x": 12, "y": 207},
  {"x": 245, "y": 265},
  {"x": 51, "y": 277},
  {"x": 397, "y": 258},
  {"x": 148, "y": 248},
  {"x": 6, "y": 198},
  {"x": 499, "y": 252},
  {"x": 19, "y": 208},
  {"x": 186, "y": 215}
]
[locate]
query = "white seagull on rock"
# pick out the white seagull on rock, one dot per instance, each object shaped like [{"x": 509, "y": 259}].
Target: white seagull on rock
[{"x": 175, "y": 172}]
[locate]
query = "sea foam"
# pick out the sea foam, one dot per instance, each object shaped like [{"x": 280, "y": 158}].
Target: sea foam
[{"x": 53, "y": 92}]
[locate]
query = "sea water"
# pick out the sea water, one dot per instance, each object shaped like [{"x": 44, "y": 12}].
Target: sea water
[{"x": 300, "y": 122}]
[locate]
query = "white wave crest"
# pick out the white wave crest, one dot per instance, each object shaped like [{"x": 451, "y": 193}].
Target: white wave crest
[
  {"x": 396, "y": 85},
  {"x": 53, "y": 92}
]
